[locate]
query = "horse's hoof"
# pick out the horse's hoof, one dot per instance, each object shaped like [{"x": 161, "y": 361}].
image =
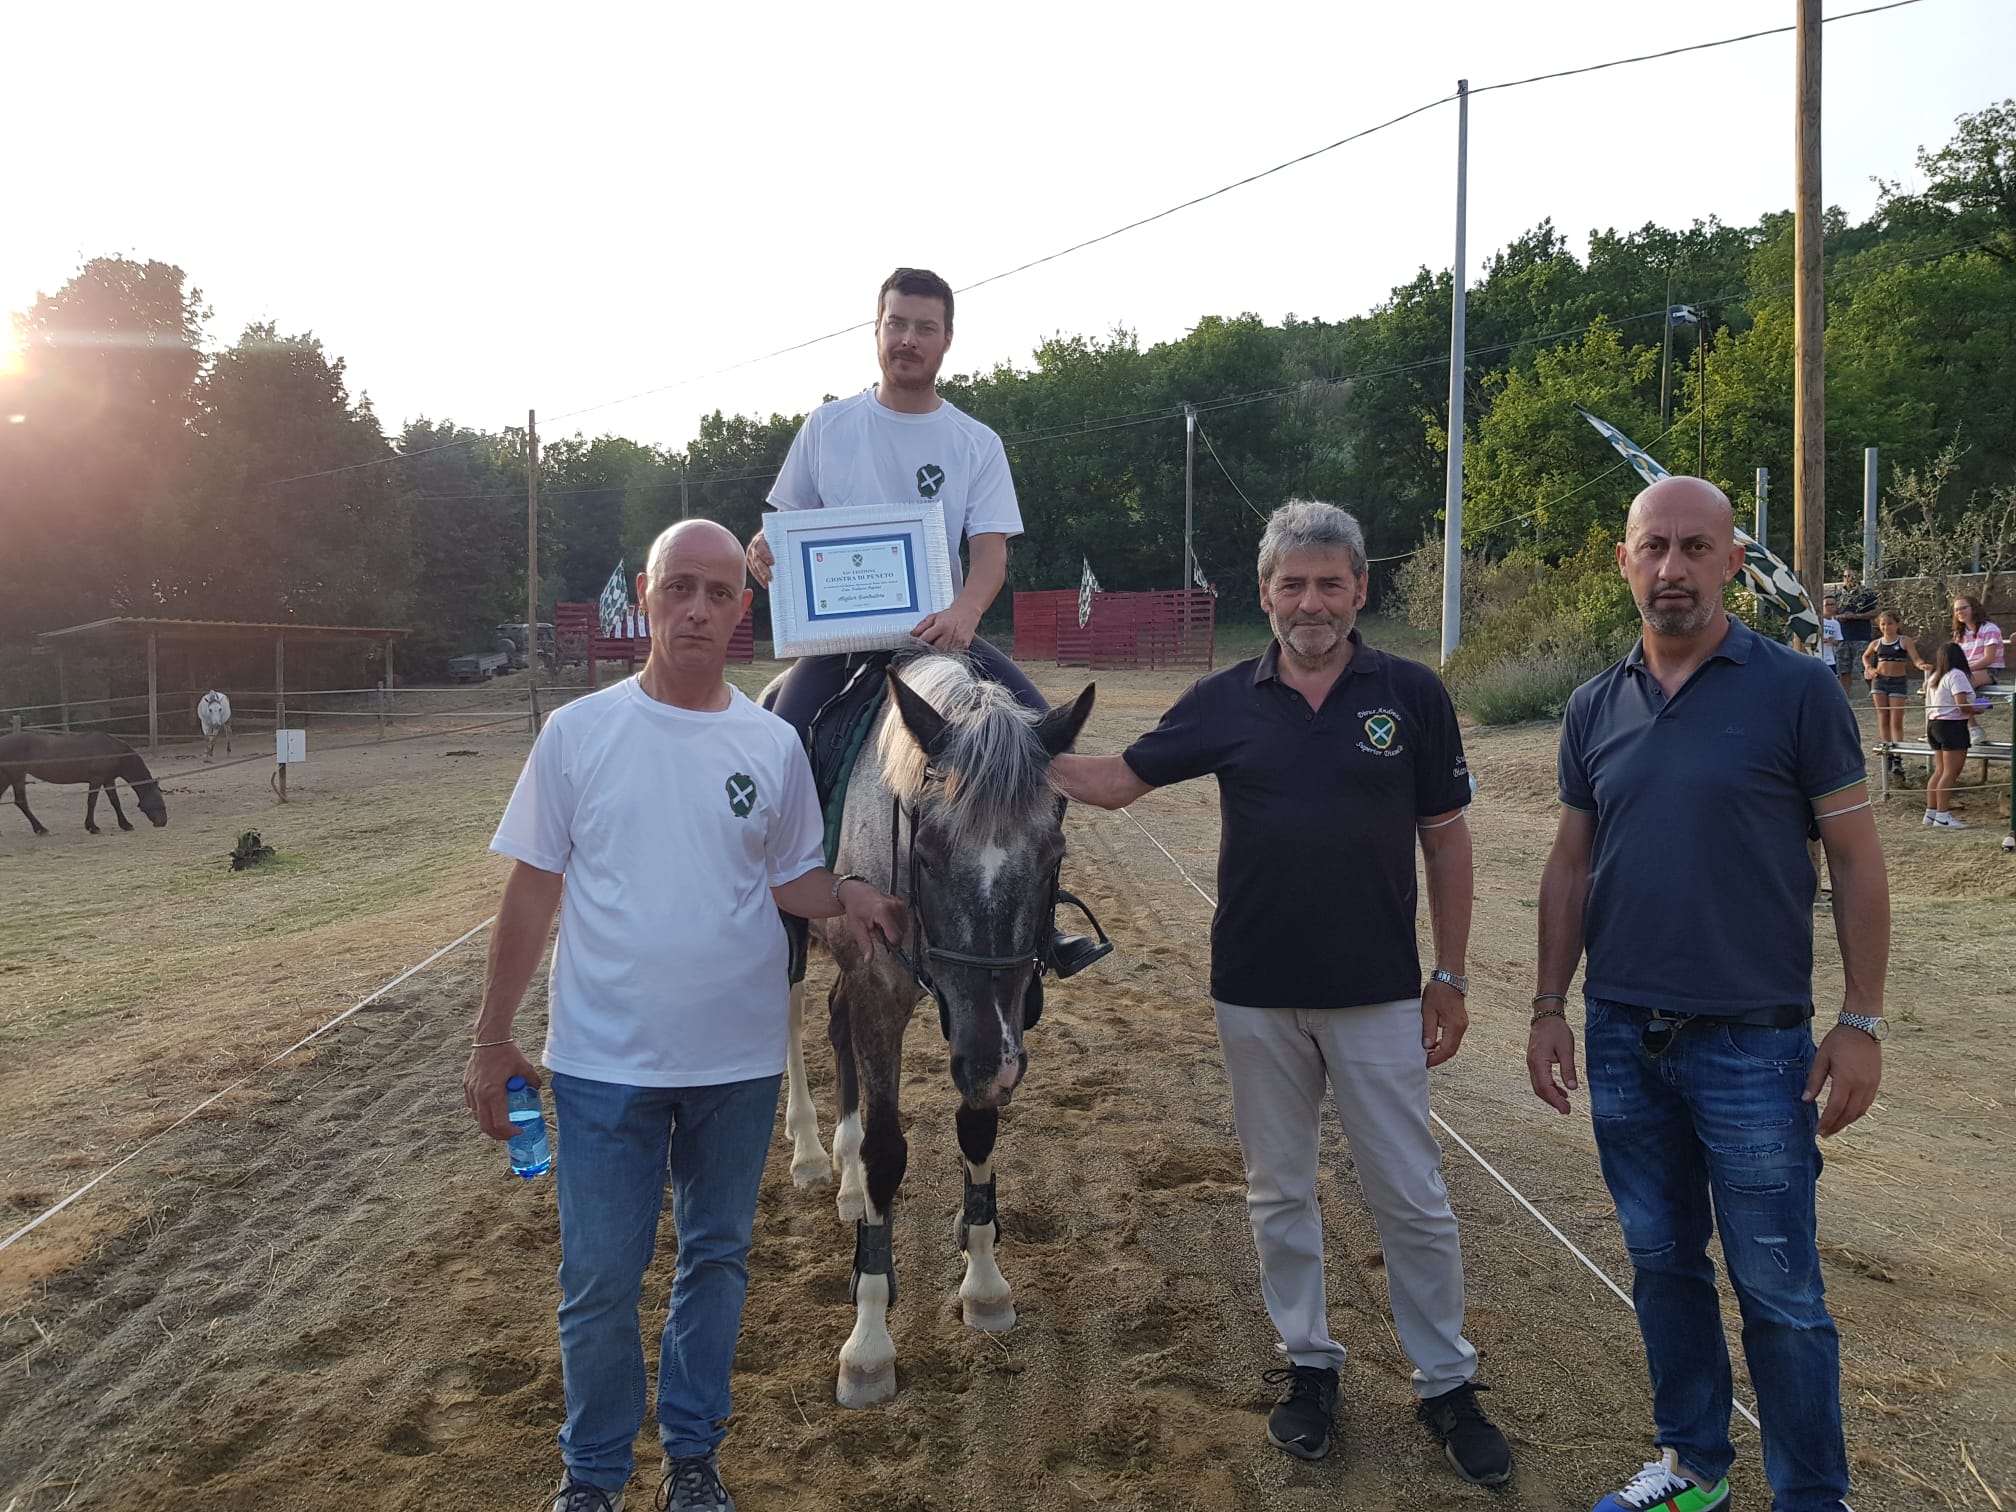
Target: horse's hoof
[
  {"x": 811, "y": 1170},
  {"x": 988, "y": 1317},
  {"x": 92, "y": 829},
  {"x": 865, "y": 1388},
  {"x": 853, "y": 1205}
]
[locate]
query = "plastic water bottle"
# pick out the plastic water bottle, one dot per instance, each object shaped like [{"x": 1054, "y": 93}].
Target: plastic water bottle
[{"x": 530, "y": 1154}]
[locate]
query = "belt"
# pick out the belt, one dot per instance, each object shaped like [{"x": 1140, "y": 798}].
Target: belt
[{"x": 1790, "y": 1016}]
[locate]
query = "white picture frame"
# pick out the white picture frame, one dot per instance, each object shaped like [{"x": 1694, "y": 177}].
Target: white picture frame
[{"x": 855, "y": 579}]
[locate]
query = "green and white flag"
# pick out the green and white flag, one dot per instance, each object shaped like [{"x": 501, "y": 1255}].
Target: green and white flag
[
  {"x": 1763, "y": 573},
  {"x": 1087, "y": 586},
  {"x": 614, "y": 604}
]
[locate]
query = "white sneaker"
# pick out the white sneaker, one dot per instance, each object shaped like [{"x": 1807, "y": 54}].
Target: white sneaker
[
  {"x": 1946, "y": 821},
  {"x": 1977, "y": 736},
  {"x": 1930, "y": 818}
]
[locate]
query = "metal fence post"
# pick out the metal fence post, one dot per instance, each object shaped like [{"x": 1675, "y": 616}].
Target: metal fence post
[{"x": 381, "y": 710}]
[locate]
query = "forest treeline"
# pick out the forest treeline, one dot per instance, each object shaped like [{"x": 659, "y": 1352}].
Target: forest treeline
[{"x": 146, "y": 471}]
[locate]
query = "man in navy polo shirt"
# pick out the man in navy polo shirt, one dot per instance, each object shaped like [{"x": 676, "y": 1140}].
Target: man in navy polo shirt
[
  {"x": 1691, "y": 774},
  {"x": 1333, "y": 761}
]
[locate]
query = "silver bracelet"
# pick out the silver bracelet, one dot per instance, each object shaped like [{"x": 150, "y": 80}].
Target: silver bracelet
[
  {"x": 840, "y": 882},
  {"x": 488, "y": 1044}
]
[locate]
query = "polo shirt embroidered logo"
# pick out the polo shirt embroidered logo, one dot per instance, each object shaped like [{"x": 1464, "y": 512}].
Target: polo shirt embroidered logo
[
  {"x": 741, "y": 794},
  {"x": 930, "y": 478},
  {"x": 1382, "y": 728}
]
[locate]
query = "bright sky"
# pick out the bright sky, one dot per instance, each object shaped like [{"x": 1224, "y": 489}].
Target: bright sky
[{"x": 486, "y": 209}]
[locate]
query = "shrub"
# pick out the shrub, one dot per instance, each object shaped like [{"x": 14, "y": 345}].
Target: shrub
[{"x": 1513, "y": 692}]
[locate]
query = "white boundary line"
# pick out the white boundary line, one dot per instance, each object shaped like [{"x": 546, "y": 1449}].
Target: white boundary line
[
  {"x": 1545, "y": 1222},
  {"x": 43, "y": 1217}
]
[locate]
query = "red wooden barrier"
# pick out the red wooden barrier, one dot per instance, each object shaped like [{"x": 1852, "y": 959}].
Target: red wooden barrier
[
  {"x": 632, "y": 643},
  {"x": 1169, "y": 629}
]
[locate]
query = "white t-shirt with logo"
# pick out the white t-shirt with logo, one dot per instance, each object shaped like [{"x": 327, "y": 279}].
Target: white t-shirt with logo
[
  {"x": 671, "y": 827},
  {"x": 859, "y": 451}
]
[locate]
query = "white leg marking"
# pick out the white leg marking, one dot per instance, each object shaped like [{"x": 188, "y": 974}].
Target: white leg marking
[
  {"x": 868, "y": 1358},
  {"x": 985, "y": 1300},
  {"x": 853, "y": 1198},
  {"x": 809, "y": 1164}
]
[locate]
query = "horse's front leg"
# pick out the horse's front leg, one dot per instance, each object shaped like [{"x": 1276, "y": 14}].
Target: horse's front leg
[
  {"x": 809, "y": 1163},
  {"x": 868, "y": 1358},
  {"x": 112, "y": 797},
  {"x": 985, "y": 1300},
  {"x": 91, "y": 810}
]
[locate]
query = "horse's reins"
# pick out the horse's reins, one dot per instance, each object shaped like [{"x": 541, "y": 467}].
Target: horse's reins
[{"x": 921, "y": 955}]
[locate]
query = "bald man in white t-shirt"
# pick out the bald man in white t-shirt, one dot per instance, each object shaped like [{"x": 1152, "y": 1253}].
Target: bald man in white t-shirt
[{"x": 680, "y": 818}]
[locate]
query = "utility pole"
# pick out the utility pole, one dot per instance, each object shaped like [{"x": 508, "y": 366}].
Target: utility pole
[
  {"x": 1666, "y": 360},
  {"x": 685, "y": 502},
  {"x": 1763, "y": 507},
  {"x": 1452, "y": 510},
  {"x": 1872, "y": 549},
  {"x": 1809, "y": 403},
  {"x": 1189, "y": 468},
  {"x": 1701, "y": 404},
  {"x": 531, "y": 546}
]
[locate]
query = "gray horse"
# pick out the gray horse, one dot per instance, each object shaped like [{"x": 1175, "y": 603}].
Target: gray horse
[{"x": 950, "y": 807}]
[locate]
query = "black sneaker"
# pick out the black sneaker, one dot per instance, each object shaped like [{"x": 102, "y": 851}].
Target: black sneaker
[
  {"x": 579, "y": 1496},
  {"x": 693, "y": 1485},
  {"x": 1304, "y": 1422},
  {"x": 1477, "y": 1450}
]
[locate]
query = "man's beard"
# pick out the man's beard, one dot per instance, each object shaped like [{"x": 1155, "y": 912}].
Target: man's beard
[
  {"x": 916, "y": 374},
  {"x": 1314, "y": 648},
  {"x": 1675, "y": 620}
]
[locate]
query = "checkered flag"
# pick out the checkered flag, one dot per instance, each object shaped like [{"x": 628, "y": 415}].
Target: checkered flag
[
  {"x": 615, "y": 602},
  {"x": 1197, "y": 572},
  {"x": 1087, "y": 586}
]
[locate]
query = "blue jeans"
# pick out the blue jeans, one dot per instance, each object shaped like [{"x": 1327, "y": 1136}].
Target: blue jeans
[
  {"x": 1712, "y": 1134},
  {"x": 617, "y": 1145}
]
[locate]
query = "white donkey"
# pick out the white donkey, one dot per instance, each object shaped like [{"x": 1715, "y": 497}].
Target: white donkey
[{"x": 213, "y": 712}]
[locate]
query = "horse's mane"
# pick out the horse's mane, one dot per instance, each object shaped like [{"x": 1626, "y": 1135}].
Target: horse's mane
[{"x": 994, "y": 769}]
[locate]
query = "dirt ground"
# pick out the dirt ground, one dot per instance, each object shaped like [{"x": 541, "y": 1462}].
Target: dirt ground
[{"x": 327, "y": 1292}]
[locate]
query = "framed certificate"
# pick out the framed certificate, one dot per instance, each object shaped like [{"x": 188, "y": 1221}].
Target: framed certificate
[{"x": 855, "y": 579}]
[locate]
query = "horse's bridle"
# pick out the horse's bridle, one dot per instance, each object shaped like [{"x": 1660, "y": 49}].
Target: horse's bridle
[{"x": 921, "y": 955}]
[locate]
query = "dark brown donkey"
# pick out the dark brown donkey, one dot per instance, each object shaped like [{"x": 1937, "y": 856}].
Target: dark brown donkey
[{"x": 51, "y": 756}]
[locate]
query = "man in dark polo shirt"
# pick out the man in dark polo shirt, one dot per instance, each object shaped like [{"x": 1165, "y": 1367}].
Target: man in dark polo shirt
[
  {"x": 1333, "y": 761},
  {"x": 1857, "y": 614},
  {"x": 1691, "y": 774}
]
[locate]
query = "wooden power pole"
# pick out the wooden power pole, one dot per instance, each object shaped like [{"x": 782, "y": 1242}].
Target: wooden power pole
[
  {"x": 532, "y": 547},
  {"x": 1809, "y": 404}
]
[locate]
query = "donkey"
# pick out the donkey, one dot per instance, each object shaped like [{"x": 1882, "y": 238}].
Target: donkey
[
  {"x": 213, "y": 713},
  {"x": 950, "y": 807},
  {"x": 53, "y": 756}
]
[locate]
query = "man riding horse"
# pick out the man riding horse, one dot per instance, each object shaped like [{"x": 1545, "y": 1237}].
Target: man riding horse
[{"x": 900, "y": 440}]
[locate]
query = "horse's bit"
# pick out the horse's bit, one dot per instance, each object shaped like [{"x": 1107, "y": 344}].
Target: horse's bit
[{"x": 921, "y": 955}]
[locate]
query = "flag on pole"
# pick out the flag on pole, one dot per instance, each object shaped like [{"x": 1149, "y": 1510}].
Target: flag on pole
[
  {"x": 1087, "y": 586},
  {"x": 1197, "y": 572},
  {"x": 1764, "y": 574},
  {"x": 614, "y": 605}
]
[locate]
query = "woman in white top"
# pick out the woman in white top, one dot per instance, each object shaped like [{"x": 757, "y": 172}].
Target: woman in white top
[
  {"x": 1981, "y": 638},
  {"x": 1949, "y": 704}
]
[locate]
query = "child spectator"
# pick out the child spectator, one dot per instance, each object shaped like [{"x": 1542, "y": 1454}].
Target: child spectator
[
  {"x": 1949, "y": 704},
  {"x": 1830, "y": 642},
  {"x": 1981, "y": 638},
  {"x": 1886, "y": 664}
]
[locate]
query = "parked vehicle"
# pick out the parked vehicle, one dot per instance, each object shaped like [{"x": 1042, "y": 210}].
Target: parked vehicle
[
  {"x": 479, "y": 666},
  {"x": 511, "y": 640}
]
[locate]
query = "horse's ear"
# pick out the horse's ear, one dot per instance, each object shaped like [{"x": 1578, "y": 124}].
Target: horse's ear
[
  {"x": 1059, "y": 728},
  {"x": 926, "y": 724}
]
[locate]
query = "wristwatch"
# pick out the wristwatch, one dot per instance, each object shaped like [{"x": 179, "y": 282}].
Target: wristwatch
[
  {"x": 1877, "y": 1029},
  {"x": 1449, "y": 978}
]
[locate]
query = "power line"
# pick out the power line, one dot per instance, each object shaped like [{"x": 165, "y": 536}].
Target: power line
[
  {"x": 1228, "y": 473},
  {"x": 1674, "y": 52}
]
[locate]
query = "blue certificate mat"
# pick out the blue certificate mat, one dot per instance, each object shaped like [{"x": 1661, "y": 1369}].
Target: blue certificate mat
[{"x": 855, "y": 579}]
